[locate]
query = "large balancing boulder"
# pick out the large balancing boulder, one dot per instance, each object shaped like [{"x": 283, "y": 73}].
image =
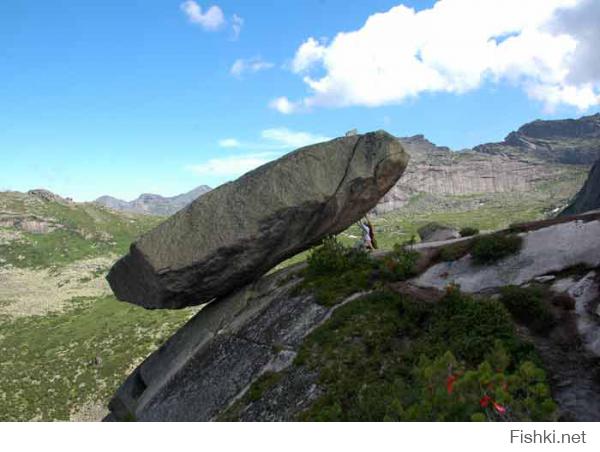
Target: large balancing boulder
[{"x": 232, "y": 235}]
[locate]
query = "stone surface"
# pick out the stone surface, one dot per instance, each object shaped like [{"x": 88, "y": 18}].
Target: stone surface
[
  {"x": 567, "y": 141},
  {"x": 588, "y": 197},
  {"x": 212, "y": 360},
  {"x": 234, "y": 234},
  {"x": 585, "y": 292},
  {"x": 546, "y": 250},
  {"x": 435, "y": 232},
  {"x": 440, "y": 172}
]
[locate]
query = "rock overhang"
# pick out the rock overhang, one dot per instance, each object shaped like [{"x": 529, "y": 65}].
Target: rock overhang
[{"x": 239, "y": 231}]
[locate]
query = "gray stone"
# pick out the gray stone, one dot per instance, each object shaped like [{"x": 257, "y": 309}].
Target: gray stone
[
  {"x": 588, "y": 197},
  {"x": 234, "y": 234},
  {"x": 435, "y": 232},
  {"x": 213, "y": 359},
  {"x": 546, "y": 250}
]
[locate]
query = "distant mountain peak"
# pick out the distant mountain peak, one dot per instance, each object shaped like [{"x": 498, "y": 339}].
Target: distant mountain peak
[
  {"x": 568, "y": 141},
  {"x": 153, "y": 204}
]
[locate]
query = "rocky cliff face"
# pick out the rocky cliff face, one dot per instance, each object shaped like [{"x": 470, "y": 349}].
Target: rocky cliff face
[
  {"x": 588, "y": 197},
  {"x": 439, "y": 171},
  {"x": 569, "y": 141},
  {"x": 152, "y": 204},
  {"x": 538, "y": 153}
]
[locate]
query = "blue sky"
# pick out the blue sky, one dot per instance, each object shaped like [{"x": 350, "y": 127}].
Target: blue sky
[{"x": 122, "y": 97}]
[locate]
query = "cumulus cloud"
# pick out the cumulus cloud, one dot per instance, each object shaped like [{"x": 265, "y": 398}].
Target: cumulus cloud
[
  {"x": 273, "y": 144},
  {"x": 285, "y": 106},
  {"x": 287, "y": 138},
  {"x": 212, "y": 19},
  {"x": 251, "y": 65},
  {"x": 546, "y": 47},
  {"x": 229, "y": 143},
  {"x": 236, "y": 26},
  {"x": 231, "y": 166}
]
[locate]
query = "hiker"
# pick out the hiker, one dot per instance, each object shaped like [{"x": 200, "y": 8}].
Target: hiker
[
  {"x": 367, "y": 241},
  {"x": 371, "y": 233}
]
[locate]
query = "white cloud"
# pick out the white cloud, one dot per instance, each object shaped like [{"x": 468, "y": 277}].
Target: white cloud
[
  {"x": 547, "y": 47},
  {"x": 252, "y": 65},
  {"x": 211, "y": 20},
  {"x": 285, "y": 106},
  {"x": 274, "y": 143},
  {"x": 237, "y": 23},
  {"x": 309, "y": 53},
  {"x": 231, "y": 166},
  {"x": 287, "y": 138},
  {"x": 229, "y": 143}
]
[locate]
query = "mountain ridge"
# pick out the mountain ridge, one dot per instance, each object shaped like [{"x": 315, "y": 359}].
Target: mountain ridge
[{"x": 153, "y": 204}]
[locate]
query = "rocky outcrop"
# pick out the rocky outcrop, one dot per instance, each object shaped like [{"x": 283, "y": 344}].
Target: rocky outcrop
[
  {"x": 48, "y": 196},
  {"x": 237, "y": 232},
  {"x": 546, "y": 250},
  {"x": 207, "y": 369},
  {"x": 568, "y": 141},
  {"x": 210, "y": 362},
  {"x": 152, "y": 204},
  {"x": 438, "y": 171},
  {"x": 30, "y": 223},
  {"x": 435, "y": 232},
  {"x": 588, "y": 197},
  {"x": 531, "y": 158}
]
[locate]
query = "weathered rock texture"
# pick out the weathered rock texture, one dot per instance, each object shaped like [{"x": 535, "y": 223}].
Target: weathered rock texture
[
  {"x": 569, "y": 141},
  {"x": 211, "y": 361},
  {"x": 204, "y": 371},
  {"x": 588, "y": 197},
  {"x": 530, "y": 159},
  {"x": 545, "y": 251},
  {"x": 435, "y": 232},
  {"x": 237, "y": 232}
]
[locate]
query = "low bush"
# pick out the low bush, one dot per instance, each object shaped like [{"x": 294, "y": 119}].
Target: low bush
[
  {"x": 489, "y": 249},
  {"x": 468, "y": 231},
  {"x": 335, "y": 271},
  {"x": 332, "y": 257},
  {"x": 527, "y": 306},
  {"x": 400, "y": 264},
  {"x": 454, "y": 251},
  {"x": 386, "y": 357}
]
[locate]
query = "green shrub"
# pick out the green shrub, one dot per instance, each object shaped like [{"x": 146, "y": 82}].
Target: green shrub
[
  {"x": 469, "y": 327},
  {"x": 454, "y": 251},
  {"x": 487, "y": 392},
  {"x": 335, "y": 271},
  {"x": 385, "y": 357},
  {"x": 526, "y": 304},
  {"x": 491, "y": 248},
  {"x": 468, "y": 231},
  {"x": 332, "y": 257},
  {"x": 400, "y": 264}
]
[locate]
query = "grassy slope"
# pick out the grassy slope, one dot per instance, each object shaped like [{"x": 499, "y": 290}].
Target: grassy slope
[
  {"x": 88, "y": 231},
  {"x": 52, "y": 365}
]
